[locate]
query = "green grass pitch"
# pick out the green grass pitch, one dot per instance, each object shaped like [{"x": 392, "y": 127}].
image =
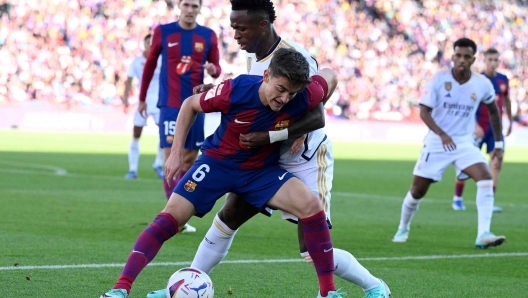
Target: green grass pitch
[{"x": 91, "y": 215}]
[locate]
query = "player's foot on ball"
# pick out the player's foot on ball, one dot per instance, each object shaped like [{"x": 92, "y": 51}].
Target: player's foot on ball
[
  {"x": 188, "y": 229},
  {"x": 488, "y": 239},
  {"x": 332, "y": 294},
  {"x": 157, "y": 294},
  {"x": 497, "y": 209},
  {"x": 458, "y": 205},
  {"x": 115, "y": 293},
  {"x": 381, "y": 291},
  {"x": 131, "y": 175},
  {"x": 401, "y": 235},
  {"x": 159, "y": 172}
]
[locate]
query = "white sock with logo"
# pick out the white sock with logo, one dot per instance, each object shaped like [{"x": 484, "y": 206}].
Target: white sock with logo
[
  {"x": 485, "y": 200},
  {"x": 409, "y": 207},
  {"x": 133, "y": 155},
  {"x": 214, "y": 246},
  {"x": 158, "y": 162},
  {"x": 349, "y": 269}
]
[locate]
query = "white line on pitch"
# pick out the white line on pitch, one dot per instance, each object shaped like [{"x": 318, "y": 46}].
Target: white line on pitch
[{"x": 433, "y": 257}]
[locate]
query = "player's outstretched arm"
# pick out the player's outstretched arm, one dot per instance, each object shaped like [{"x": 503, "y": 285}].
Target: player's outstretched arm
[
  {"x": 496, "y": 126},
  {"x": 128, "y": 87},
  {"x": 186, "y": 117},
  {"x": 425, "y": 114},
  {"x": 507, "y": 106}
]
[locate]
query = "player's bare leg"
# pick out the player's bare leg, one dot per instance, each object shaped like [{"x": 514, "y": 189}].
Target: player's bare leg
[
  {"x": 410, "y": 204},
  {"x": 133, "y": 153},
  {"x": 482, "y": 175},
  {"x": 495, "y": 169}
]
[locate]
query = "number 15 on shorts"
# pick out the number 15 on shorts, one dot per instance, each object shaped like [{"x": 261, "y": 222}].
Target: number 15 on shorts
[{"x": 169, "y": 127}]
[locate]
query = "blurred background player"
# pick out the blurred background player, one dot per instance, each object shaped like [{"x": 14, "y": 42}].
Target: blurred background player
[
  {"x": 187, "y": 49},
  {"x": 483, "y": 130},
  {"x": 448, "y": 107},
  {"x": 135, "y": 70},
  {"x": 313, "y": 163}
]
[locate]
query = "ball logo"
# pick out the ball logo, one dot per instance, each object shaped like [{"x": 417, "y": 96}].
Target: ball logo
[
  {"x": 173, "y": 290},
  {"x": 185, "y": 64}
]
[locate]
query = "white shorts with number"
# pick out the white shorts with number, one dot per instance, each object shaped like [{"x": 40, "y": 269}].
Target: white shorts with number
[
  {"x": 152, "y": 111},
  {"x": 432, "y": 165},
  {"x": 317, "y": 174}
]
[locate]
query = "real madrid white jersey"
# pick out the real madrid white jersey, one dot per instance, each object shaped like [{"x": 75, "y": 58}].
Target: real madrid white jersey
[
  {"x": 454, "y": 106},
  {"x": 135, "y": 70},
  {"x": 315, "y": 138}
]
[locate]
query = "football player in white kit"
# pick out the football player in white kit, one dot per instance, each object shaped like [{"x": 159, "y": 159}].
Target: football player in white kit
[
  {"x": 135, "y": 70},
  {"x": 448, "y": 106},
  {"x": 252, "y": 21}
]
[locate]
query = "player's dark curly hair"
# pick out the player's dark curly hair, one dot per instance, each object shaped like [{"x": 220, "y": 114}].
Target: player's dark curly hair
[
  {"x": 466, "y": 43},
  {"x": 255, "y": 6},
  {"x": 290, "y": 64}
]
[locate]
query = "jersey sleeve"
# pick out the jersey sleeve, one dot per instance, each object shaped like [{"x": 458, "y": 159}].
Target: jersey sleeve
[
  {"x": 214, "y": 55},
  {"x": 316, "y": 91},
  {"x": 489, "y": 92},
  {"x": 218, "y": 99},
  {"x": 429, "y": 95},
  {"x": 151, "y": 63},
  {"x": 130, "y": 69}
]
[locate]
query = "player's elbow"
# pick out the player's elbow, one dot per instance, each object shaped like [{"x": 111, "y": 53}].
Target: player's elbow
[{"x": 330, "y": 76}]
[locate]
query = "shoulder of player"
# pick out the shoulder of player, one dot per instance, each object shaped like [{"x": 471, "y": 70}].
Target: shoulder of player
[
  {"x": 481, "y": 78},
  {"x": 245, "y": 80},
  {"x": 441, "y": 77}
]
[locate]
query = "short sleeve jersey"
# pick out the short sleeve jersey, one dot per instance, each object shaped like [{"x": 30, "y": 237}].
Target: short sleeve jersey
[
  {"x": 243, "y": 112},
  {"x": 454, "y": 106}
]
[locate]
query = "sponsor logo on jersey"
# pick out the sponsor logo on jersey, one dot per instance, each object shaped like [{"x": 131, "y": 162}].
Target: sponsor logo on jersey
[
  {"x": 282, "y": 124},
  {"x": 215, "y": 91},
  {"x": 248, "y": 64},
  {"x": 199, "y": 46},
  {"x": 189, "y": 186},
  {"x": 448, "y": 86},
  {"x": 185, "y": 65},
  {"x": 473, "y": 96},
  {"x": 170, "y": 139}
]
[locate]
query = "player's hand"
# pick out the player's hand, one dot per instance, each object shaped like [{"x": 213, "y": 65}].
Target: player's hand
[
  {"x": 202, "y": 88},
  {"x": 508, "y": 132},
  {"x": 479, "y": 132},
  {"x": 173, "y": 167},
  {"x": 297, "y": 144},
  {"x": 447, "y": 142},
  {"x": 254, "y": 139},
  {"x": 496, "y": 158},
  {"x": 142, "y": 109},
  {"x": 210, "y": 68}
]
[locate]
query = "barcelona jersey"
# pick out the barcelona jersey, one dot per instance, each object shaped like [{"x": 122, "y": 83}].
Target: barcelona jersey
[{"x": 501, "y": 86}]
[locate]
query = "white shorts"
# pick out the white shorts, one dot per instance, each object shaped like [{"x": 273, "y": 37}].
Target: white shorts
[
  {"x": 152, "y": 111},
  {"x": 432, "y": 165},
  {"x": 317, "y": 174}
]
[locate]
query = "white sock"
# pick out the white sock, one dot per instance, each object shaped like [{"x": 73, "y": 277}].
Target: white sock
[
  {"x": 158, "y": 162},
  {"x": 133, "y": 155},
  {"x": 214, "y": 246},
  {"x": 349, "y": 269},
  {"x": 409, "y": 207},
  {"x": 484, "y": 205}
]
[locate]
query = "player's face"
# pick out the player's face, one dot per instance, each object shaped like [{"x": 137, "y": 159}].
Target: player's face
[
  {"x": 463, "y": 58},
  {"x": 189, "y": 11},
  {"x": 278, "y": 91},
  {"x": 492, "y": 62},
  {"x": 249, "y": 31}
]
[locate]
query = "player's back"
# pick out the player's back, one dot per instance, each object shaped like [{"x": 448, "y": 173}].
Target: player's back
[{"x": 184, "y": 52}]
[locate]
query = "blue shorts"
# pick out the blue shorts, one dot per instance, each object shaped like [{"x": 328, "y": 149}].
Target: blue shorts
[
  {"x": 489, "y": 140},
  {"x": 209, "y": 179},
  {"x": 167, "y": 126}
]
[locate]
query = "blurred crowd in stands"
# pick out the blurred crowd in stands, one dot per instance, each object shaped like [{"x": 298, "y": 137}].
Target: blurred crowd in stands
[{"x": 76, "y": 52}]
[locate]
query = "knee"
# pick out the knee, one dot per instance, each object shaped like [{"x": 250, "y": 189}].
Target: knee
[
  {"x": 310, "y": 207},
  {"x": 228, "y": 216},
  {"x": 418, "y": 192}
]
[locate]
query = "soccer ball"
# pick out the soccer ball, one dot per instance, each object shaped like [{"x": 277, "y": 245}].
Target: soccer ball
[{"x": 190, "y": 283}]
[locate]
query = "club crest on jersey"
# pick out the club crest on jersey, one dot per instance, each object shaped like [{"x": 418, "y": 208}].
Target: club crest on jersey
[
  {"x": 448, "y": 86},
  {"x": 199, "y": 46},
  {"x": 248, "y": 64},
  {"x": 473, "y": 96},
  {"x": 282, "y": 124},
  {"x": 189, "y": 186},
  {"x": 170, "y": 139},
  {"x": 502, "y": 87},
  {"x": 185, "y": 64}
]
